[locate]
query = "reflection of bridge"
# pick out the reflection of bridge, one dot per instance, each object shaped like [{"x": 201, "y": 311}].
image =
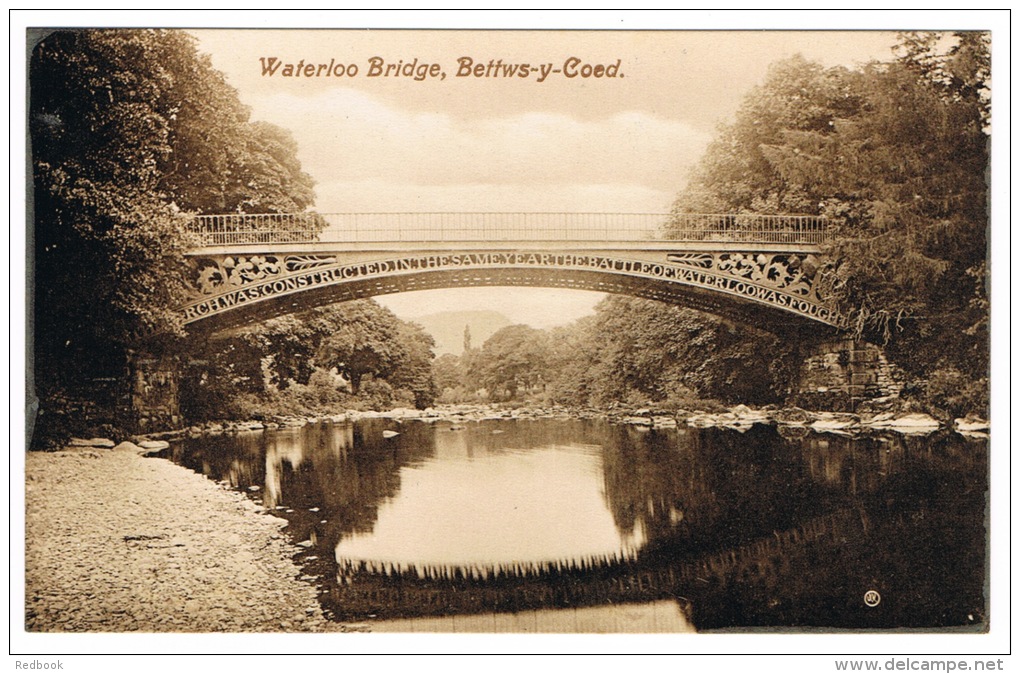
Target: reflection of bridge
[
  {"x": 769, "y": 270},
  {"x": 386, "y": 591}
]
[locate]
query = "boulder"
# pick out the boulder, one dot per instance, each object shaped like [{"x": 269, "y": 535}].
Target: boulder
[
  {"x": 916, "y": 423},
  {"x": 746, "y": 414},
  {"x": 664, "y": 422},
  {"x": 791, "y": 416},
  {"x": 702, "y": 420},
  {"x": 154, "y": 445},
  {"x": 92, "y": 442},
  {"x": 390, "y": 434},
  {"x": 971, "y": 425},
  {"x": 833, "y": 423},
  {"x": 739, "y": 426},
  {"x": 128, "y": 447}
]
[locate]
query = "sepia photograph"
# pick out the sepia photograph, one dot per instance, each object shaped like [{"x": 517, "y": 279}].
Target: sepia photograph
[{"x": 528, "y": 330}]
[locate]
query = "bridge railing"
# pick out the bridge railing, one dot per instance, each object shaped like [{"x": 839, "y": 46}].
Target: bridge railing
[{"x": 217, "y": 230}]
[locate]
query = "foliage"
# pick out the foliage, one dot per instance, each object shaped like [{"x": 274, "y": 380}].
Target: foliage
[
  {"x": 657, "y": 352},
  {"x": 955, "y": 394},
  {"x": 309, "y": 360},
  {"x": 415, "y": 372},
  {"x": 513, "y": 360},
  {"x": 896, "y": 156},
  {"x": 363, "y": 341},
  {"x": 574, "y": 367},
  {"x": 735, "y": 175},
  {"x": 631, "y": 351},
  {"x": 379, "y": 395},
  {"x": 130, "y": 131},
  {"x": 448, "y": 372},
  {"x": 320, "y": 396}
]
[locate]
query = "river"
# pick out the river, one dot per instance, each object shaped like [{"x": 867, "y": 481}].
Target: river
[{"x": 584, "y": 525}]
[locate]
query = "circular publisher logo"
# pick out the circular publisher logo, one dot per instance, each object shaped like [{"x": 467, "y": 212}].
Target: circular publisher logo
[{"x": 872, "y": 597}]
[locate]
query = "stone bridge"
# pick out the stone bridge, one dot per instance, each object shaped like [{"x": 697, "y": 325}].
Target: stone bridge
[{"x": 769, "y": 271}]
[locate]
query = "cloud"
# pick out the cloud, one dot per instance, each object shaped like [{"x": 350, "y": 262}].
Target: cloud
[
  {"x": 377, "y": 154},
  {"x": 374, "y": 196}
]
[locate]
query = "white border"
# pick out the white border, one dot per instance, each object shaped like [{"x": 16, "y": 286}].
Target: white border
[{"x": 997, "y": 641}]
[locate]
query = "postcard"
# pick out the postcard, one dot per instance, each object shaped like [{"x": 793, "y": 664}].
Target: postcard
[{"x": 455, "y": 330}]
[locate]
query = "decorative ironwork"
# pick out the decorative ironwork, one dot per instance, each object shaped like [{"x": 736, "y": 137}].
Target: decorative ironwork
[
  {"x": 794, "y": 282},
  {"x": 790, "y": 272},
  {"x": 795, "y": 273},
  {"x": 697, "y": 260},
  {"x": 303, "y": 262},
  {"x": 233, "y": 271},
  {"x": 768, "y": 260}
]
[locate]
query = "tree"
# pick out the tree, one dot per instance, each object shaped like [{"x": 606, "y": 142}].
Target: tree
[
  {"x": 364, "y": 341},
  {"x": 905, "y": 184},
  {"x": 896, "y": 156},
  {"x": 130, "y": 131},
  {"x": 735, "y": 174},
  {"x": 291, "y": 354},
  {"x": 448, "y": 372},
  {"x": 575, "y": 366},
  {"x": 414, "y": 372},
  {"x": 514, "y": 358},
  {"x": 634, "y": 348}
]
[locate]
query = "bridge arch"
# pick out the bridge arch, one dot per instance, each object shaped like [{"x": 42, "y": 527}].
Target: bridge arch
[{"x": 772, "y": 279}]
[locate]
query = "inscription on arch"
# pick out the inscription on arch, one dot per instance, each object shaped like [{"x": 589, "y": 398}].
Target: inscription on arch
[{"x": 789, "y": 281}]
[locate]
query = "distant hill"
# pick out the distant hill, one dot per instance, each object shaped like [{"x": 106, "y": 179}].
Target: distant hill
[{"x": 447, "y": 328}]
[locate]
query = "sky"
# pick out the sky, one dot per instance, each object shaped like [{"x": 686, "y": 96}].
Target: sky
[{"x": 459, "y": 135}]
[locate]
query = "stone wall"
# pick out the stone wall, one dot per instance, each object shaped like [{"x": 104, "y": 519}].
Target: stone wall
[
  {"x": 839, "y": 374},
  {"x": 154, "y": 400}
]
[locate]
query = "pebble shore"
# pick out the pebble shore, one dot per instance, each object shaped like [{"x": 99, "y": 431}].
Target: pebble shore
[{"x": 117, "y": 542}]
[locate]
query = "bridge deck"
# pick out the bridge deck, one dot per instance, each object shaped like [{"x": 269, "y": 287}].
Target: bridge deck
[{"x": 642, "y": 246}]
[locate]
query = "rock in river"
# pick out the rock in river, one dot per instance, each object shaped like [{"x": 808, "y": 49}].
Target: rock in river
[{"x": 93, "y": 442}]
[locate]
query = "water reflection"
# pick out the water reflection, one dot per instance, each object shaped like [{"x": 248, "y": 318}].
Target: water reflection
[
  {"x": 545, "y": 503},
  {"x": 737, "y": 530}
]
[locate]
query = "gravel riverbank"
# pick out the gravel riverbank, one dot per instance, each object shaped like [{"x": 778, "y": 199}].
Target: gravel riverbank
[{"x": 116, "y": 542}]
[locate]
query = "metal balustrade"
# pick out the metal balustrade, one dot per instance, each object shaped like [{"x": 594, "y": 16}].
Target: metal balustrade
[{"x": 218, "y": 230}]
